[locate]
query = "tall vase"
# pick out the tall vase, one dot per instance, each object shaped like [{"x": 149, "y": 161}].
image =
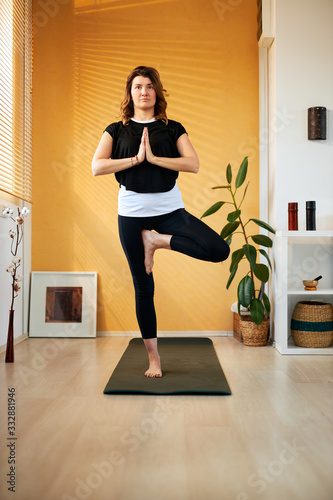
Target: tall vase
[{"x": 10, "y": 338}]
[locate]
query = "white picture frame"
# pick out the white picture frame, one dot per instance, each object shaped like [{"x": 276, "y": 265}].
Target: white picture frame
[{"x": 63, "y": 304}]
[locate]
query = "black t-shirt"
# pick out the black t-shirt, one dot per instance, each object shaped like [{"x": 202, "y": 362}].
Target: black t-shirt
[{"x": 146, "y": 178}]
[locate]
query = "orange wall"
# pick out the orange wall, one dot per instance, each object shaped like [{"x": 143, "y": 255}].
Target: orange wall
[{"x": 208, "y": 61}]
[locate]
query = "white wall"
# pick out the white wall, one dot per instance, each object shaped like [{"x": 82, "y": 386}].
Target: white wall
[
  {"x": 300, "y": 64},
  {"x": 22, "y": 301}
]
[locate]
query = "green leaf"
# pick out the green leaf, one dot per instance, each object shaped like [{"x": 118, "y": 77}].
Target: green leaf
[
  {"x": 263, "y": 240},
  {"x": 228, "y": 240},
  {"x": 267, "y": 303},
  {"x": 251, "y": 254},
  {"x": 221, "y": 187},
  {"x": 229, "y": 229},
  {"x": 265, "y": 254},
  {"x": 257, "y": 311},
  {"x": 264, "y": 225},
  {"x": 247, "y": 185},
  {"x": 231, "y": 277},
  {"x": 261, "y": 272},
  {"x": 214, "y": 208},
  {"x": 229, "y": 173},
  {"x": 233, "y": 216},
  {"x": 241, "y": 173},
  {"x": 236, "y": 258},
  {"x": 245, "y": 291}
]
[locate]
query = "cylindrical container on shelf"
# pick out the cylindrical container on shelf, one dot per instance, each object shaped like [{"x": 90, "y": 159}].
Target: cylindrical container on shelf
[
  {"x": 310, "y": 215},
  {"x": 292, "y": 216},
  {"x": 317, "y": 123},
  {"x": 312, "y": 324}
]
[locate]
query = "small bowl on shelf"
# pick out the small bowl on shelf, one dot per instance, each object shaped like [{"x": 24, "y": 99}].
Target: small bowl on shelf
[{"x": 310, "y": 285}]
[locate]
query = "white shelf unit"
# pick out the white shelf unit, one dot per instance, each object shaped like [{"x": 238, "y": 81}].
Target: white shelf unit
[{"x": 300, "y": 255}]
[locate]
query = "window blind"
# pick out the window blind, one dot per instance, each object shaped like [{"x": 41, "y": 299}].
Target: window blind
[
  {"x": 16, "y": 98},
  {"x": 259, "y": 19}
]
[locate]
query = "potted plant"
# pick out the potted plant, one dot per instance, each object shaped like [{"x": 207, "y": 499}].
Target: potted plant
[{"x": 250, "y": 291}]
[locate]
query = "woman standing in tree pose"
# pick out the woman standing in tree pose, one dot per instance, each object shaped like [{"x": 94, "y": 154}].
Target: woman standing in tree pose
[{"x": 146, "y": 151}]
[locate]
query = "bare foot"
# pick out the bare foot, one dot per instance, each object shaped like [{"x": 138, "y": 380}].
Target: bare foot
[
  {"x": 154, "y": 369},
  {"x": 151, "y": 242}
]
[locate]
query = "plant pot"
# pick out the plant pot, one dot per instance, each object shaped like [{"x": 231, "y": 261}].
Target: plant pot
[
  {"x": 236, "y": 326},
  {"x": 10, "y": 339},
  {"x": 253, "y": 334}
]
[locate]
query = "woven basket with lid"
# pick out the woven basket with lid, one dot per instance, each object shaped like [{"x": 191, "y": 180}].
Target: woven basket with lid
[{"x": 312, "y": 324}]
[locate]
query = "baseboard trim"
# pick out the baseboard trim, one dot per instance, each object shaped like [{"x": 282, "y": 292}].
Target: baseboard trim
[
  {"x": 221, "y": 333},
  {"x": 16, "y": 341}
]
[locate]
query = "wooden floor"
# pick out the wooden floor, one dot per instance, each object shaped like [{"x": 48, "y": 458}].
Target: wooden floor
[{"x": 270, "y": 440}]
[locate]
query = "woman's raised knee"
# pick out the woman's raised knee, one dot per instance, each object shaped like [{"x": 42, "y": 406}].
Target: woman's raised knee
[{"x": 220, "y": 252}]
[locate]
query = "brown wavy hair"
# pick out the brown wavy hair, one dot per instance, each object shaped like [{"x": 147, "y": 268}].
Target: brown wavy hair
[{"x": 126, "y": 107}]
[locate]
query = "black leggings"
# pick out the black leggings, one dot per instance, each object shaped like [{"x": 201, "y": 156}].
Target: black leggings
[{"x": 190, "y": 236}]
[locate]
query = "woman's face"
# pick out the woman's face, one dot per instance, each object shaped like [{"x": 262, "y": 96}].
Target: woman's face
[{"x": 143, "y": 93}]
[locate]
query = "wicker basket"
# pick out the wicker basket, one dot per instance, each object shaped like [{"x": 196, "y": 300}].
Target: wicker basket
[
  {"x": 253, "y": 334},
  {"x": 312, "y": 324}
]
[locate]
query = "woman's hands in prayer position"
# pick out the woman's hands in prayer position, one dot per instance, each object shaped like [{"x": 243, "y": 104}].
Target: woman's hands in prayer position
[
  {"x": 103, "y": 164},
  {"x": 145, "y": 151},
  {"x": 187, "y": 161}
]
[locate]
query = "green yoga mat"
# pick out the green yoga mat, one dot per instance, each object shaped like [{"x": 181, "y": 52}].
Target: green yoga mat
[{"x": 189, "y": 366}]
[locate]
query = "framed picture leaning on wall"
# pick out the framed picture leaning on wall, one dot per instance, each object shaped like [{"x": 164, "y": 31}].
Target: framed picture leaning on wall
[{"x": 63, "y": 304}]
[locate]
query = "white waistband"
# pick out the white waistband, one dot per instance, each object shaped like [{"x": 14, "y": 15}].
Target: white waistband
[{"x": 132, "y": 204}]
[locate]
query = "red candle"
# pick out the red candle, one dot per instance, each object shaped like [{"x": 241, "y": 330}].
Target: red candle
[{"x": 292, "y": 216}]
